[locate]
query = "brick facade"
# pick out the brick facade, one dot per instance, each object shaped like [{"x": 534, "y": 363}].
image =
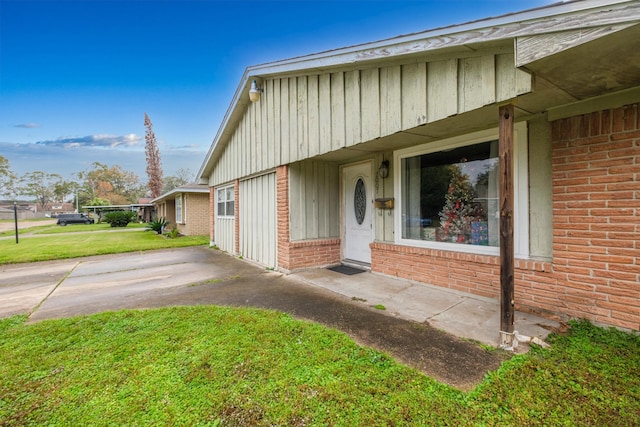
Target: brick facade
[
  {"x": 282, "y": 195},
  {"x": 212, "y": 214},
  {"x": 314, "y": 253},
  {"x": 596, "y": 223},
  {"x": 595, "y": 272},
  {"x": 476, "y": 274},
  {"x": 196, "y": 216},
  {"x": 236, "y": 214}
]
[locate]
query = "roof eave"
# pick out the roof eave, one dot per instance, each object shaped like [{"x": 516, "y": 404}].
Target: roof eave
[
  {"x": 423, "y": 43},
  {"x": 179, "y": 191}
]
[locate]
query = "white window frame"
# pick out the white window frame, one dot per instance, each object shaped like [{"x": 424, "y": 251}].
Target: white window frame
[
  {"x": 521, "y": 190},
  {"x": 179, "y": 208},
  {"x": 225, "y": 190}
]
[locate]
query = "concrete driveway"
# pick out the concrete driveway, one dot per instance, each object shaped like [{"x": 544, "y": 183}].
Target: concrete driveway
[
  {"x": 56, "y": 289},
  {"x": 200, "y": 275}
]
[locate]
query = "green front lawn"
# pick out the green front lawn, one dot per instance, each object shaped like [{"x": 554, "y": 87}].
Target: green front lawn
[
  {"x": 224, "y": 366},
  {"x": 35, "y": 228},
  {"x": 75, "y": 228},
  {"x": 71, "y": 242},
  {"x": 214, "y": 366}
]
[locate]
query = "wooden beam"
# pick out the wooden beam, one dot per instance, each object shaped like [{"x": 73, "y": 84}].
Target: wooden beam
[{"x": 507, "y": 302}]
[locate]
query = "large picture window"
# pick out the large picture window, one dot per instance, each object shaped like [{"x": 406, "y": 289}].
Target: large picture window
[
  {"x": 448, "y": 193},
  {"x": 225, "y": 202},
  {"x": 452, "y": 196}
]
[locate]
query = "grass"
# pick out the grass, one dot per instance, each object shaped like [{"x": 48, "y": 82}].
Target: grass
[
  {"x": 219, "y": 366},
  {"x": 55, "y": 242},
  {"x": 33, "y": 228},
  {"x": 224, "y": 366},
  {"x": 75, "y": 228}
]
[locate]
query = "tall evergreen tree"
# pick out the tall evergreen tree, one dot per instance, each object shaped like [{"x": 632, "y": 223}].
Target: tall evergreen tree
[{"x": 154, "y": 166}]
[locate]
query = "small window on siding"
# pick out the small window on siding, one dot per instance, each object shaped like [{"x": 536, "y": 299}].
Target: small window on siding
[
  {"x": 179, "y": 208},
  {"x": 225, "y": 202}
]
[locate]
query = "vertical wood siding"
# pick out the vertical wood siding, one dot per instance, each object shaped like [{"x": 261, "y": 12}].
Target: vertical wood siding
[
  {"x": 314, "y": 202},
  {"x": 305, "y": 116},
  {"x": 258, "y": 237},
  {"x": 225, "y": 234}
]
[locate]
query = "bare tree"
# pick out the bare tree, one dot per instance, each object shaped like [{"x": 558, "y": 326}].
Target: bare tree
[
  {"x": 181, "y": 177},
  {"x": 154, "y": 167}
]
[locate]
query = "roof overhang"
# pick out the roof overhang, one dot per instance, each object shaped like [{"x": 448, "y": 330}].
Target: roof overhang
[
  {"x": 583, "y": 64},
  {"x": 130, "y": 206},
  {"x": 181, "y": 190},
  {"x": 575, "y": 28}
]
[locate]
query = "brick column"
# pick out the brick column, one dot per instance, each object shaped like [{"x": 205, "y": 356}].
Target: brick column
[
  {"x": 212, "y": 215},
  {"x": 282, "y": 200},
  {"x": 236, "y": 214}
]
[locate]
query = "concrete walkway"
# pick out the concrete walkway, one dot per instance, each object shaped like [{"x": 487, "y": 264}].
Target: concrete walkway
[{"x": 460, "y": 314}]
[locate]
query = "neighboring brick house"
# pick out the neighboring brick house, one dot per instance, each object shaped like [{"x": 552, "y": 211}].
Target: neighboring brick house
[
  {"x": 404, "y": 156},
  {"x": 186, "y": 208}
]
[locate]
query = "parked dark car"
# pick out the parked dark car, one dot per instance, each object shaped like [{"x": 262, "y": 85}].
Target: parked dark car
[{"x": 79, "y": 218}]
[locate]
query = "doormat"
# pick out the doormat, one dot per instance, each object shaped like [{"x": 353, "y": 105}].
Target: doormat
[{"x": 345, "y": 269}]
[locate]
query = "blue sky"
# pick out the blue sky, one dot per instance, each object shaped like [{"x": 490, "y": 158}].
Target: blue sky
[{"x": 76, "y": 77}]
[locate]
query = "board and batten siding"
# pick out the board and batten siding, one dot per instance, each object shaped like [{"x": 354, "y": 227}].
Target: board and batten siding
[
  {"x": 225, "y": 234},
  {"x": 314, "y": 200},
  {"x": 304, "y": 116},
  {"x": 258, "y": 227}
]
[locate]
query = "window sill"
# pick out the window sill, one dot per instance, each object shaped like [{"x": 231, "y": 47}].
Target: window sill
[{"x": 451, "y": 247}]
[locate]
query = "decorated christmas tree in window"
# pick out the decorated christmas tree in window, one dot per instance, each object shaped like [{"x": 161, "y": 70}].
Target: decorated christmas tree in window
[{"x": 460, "y": 208}]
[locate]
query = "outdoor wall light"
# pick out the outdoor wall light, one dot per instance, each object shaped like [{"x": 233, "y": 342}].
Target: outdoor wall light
[
  {"x": 383, "y": 170},
  {"x": 254, "y": 92}
]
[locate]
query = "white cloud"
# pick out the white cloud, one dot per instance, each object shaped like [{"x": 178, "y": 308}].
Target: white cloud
[
  {"x": 66, "y": 157},
  {"x": 27, "y": 125},
  {"x": 188, "y": 147},
  {"x": 99, "y": 140}
]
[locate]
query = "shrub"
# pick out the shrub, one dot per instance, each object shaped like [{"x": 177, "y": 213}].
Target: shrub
[
  {"x": 158, "y": 225},
  {"x": 173, "y": 234},
  {"x": 119, "y": 218}
]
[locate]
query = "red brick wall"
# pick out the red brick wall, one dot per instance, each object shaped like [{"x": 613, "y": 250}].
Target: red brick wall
[
  {"x": 596, "y": 207},
  {"x": 313, "y": 253},
  {"x": 282, "y": 191},
  {"x": 595, "y": 272},
  {"x": 212, "y": 214},
  {"x": 476, "y": 274},
  {"x": 236, "y": 213}
]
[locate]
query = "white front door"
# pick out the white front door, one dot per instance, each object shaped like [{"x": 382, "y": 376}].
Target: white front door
[{"x": 358, "y": 212}]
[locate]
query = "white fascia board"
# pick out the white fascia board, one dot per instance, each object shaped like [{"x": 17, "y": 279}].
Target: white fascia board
[
  {"x": 178, "y": 191},
  {"x": 486, "y": 30}
]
